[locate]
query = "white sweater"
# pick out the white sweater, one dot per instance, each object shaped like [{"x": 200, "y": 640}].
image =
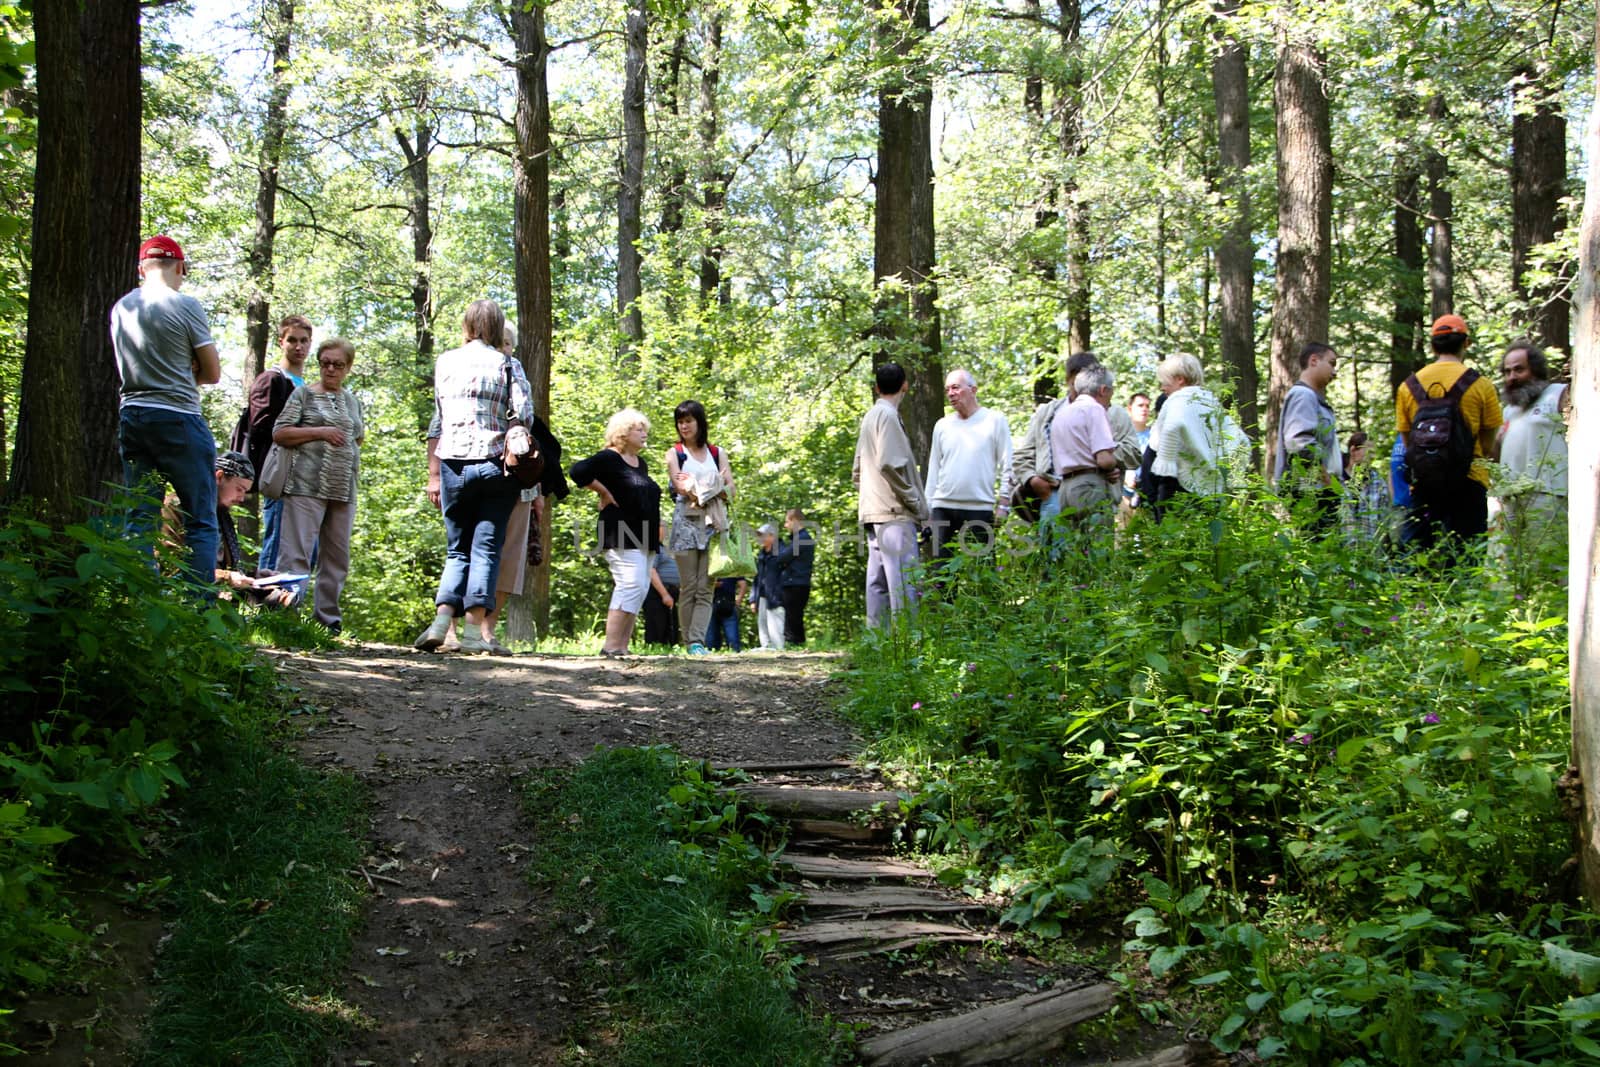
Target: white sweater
[{"x": 967, "y": 458}]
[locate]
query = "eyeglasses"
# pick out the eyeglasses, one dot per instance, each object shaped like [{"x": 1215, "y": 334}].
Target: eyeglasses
[{"x": 333, "y": 364}]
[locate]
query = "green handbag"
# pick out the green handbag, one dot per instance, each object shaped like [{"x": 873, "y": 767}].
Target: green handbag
[{"x": 733, "y": 553}]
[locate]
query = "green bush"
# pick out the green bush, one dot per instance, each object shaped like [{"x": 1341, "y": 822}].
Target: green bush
[
  {"x": 112, "y": 676},
  {"x": 1296, "y": 762}
]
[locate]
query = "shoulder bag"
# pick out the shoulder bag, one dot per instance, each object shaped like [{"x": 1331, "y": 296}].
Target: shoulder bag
[
  {"x": 523, "y": 460},
  {"x": 273, "y": 477}
]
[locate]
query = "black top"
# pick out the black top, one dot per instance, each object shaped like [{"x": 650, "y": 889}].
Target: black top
[
  {"x": 796, "y": 556},
  {"x": 634, "y": 521}
]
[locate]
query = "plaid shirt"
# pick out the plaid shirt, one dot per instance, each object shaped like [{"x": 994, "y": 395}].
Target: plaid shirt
[{"x": 470, "y": 402}]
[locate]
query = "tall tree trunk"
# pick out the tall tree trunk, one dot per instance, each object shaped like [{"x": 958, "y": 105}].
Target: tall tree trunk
[
  {"x": 528, "y": 612},
  {"x": 1305, "y": 215},
  {"x": 1441, "y": 213},
  {"x": 1584, "y": 519},
  {"x": 1074, "y": 210},
  {"x": 417, "y": 148},
  {"x": 1046, "y": 357},
  {"x": 1405, "y": 336},
  {"x": 49, "y": 464},
  {"x": 902, "y": 237},
  {"x": 714, "y": 174},
  {"x": 1236, "y": 329},
  {"x": 279, "y": 26},
  {"x": 1163, "y": 142},
  {"x": 630, "y": 189},
  {"x": 1538, "y": 182},
  {"x": 669, "y": 88},
  {"x": 113, "y": 86}
]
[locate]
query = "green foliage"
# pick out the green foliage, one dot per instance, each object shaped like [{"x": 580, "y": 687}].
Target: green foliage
[
  {"x": 112, "y": 679},
  {"x": 1333, "y": 775},
  {"x": 684, "y": 885}
]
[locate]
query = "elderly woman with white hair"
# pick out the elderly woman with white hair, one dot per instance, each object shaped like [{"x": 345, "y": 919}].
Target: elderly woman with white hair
[
  {"x": 630, "y": 520},
  {"x": 1196, "y": 442}
]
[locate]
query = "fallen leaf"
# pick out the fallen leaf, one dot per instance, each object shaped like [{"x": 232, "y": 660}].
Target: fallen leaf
[{"x": 386, "y": 951}]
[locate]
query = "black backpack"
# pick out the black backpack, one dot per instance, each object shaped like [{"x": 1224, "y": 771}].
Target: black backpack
[{"x": 1439, "y": 445}]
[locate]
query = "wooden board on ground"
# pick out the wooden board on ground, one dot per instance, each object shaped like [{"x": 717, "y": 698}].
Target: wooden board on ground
[
  {"x": 1177, "y": 1056},
  {"x": 858, "y": 932},
  {"x": 818, "y": 802},
  {"x": 996, "y": 1033},
  {"x": 800, "y": 765},
  {"x": 845, "y": 870},
  {"x": 839, "y": 831},
  {"x": 884, "y": 900}
]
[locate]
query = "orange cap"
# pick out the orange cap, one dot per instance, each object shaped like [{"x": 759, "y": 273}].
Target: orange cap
[{"x": 1445, "y": 325}]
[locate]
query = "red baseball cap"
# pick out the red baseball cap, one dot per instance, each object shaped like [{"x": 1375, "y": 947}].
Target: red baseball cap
[
  {"x": 1445, "y": 325},
  {"x": 160, "y": 247}
]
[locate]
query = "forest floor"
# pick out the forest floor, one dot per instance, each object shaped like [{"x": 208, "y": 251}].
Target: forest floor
[{"x": 462, "y": 961}]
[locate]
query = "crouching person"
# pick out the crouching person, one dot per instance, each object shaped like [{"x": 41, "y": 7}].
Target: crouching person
[{"x": 235, "y": 474}]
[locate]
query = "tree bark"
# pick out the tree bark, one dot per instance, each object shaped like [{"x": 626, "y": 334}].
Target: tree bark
[
  {"x": 903, "y": 246},
  {"x": 1236, "y": 330},
  {"x": 1305, "y": 216},
  {"x": 113, "y": 86},
  {"x": 1584, "y": 520},
  {"x": 1441, "y": 213},
  {"x": 48, "y": 464},
  {"x": 714, "y": 175},
  {"x": 669, "y": 88},
  {"x": 630, "y": 189},
  {"x": 417, "y": 148},
  {"x": 1046, "y": 355},
  {"x": 1538, "y": 182},
  {"x": 1405, "y": 335},
  {"x": 258, "y": 312},
  {"x": 1074, "y": 210},
  {"x": 528, "y": 612}
]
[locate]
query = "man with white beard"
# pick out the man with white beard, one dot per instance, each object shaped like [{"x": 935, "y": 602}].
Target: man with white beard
[{"x": 1532, "y": 447}]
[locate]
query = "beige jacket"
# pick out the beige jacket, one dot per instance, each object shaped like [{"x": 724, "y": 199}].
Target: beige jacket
[{"x": 886, "y": 471}]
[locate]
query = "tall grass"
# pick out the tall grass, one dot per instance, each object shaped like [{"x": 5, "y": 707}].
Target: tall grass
[{"x": 677, "y": 882}]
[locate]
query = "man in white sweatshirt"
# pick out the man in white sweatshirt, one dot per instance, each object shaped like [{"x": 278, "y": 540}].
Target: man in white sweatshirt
[{"x": 970, "y": 456}]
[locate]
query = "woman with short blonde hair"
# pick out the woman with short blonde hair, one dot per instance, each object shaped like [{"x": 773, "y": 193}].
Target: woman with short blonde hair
[
  {"x": 621, "y": 424},
  {"x": 630, "y": 520},
  {"x": 1196, "y": 442}
]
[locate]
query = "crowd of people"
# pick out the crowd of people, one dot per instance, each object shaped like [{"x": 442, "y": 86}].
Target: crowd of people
[{"x": 1082, "y": 465}]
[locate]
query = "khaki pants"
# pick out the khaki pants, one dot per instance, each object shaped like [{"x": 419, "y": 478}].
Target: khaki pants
[
  {"x": 694, "y": 594},
  {"x": 309, "y": 520}
]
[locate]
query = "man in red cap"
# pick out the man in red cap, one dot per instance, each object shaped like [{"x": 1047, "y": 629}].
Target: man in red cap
[
  {"x": 165, "y": 352},
  {"x": 1448, "y": 415}
]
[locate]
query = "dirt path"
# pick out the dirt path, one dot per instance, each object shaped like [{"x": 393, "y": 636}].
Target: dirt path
[{"x": 460, "y": 962}]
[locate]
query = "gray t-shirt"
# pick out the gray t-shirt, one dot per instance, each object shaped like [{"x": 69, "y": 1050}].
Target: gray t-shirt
[{"x": 155, "y": 332}]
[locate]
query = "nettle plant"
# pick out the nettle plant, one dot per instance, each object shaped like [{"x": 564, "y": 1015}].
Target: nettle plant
[{"x": 1259, "y": 742}]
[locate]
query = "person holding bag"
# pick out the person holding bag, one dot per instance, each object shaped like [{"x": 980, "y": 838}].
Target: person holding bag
[
  {"x": 321, "y": 427},
  {"x": 474, "y": 387},
  {"x": 702, "y": 487}
]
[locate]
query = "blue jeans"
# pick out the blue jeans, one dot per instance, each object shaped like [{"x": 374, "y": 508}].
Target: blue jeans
[
  {"x": 476, "y": 497},
  {"x": 271, "y": 519},
  {"x": 156, "y": 444},
  {"x": 723, "y": 631}
]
